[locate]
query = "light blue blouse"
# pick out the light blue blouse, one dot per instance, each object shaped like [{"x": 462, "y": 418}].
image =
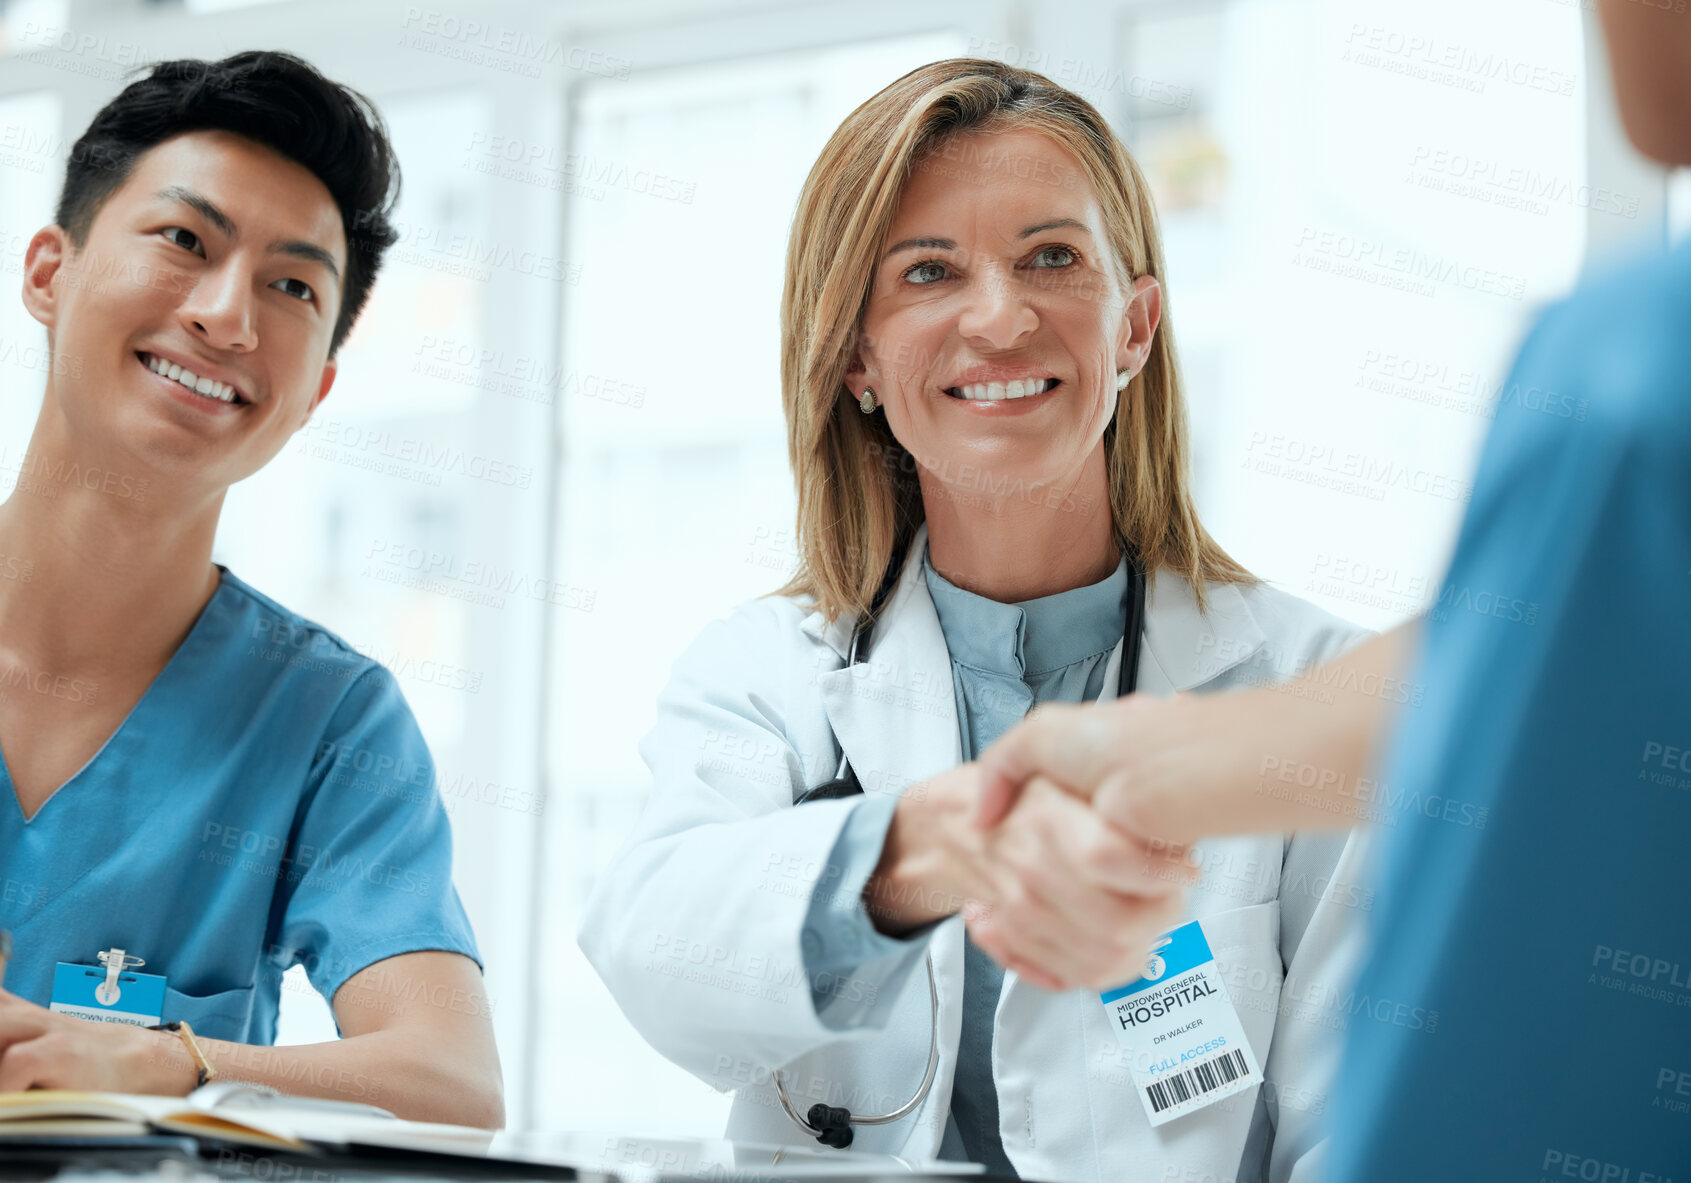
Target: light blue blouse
[
  {"x": 1004, "y": 659},
  {"x": 268, "y": 802}
]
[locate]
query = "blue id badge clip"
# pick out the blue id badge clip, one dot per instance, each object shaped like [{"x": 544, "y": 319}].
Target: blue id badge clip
[
  {"x": 109, "y": 993},
  {"x": 1185, "y": 1045}
]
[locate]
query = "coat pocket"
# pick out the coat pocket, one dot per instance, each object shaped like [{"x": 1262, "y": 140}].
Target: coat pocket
[{"x": 227, "y": 1014}]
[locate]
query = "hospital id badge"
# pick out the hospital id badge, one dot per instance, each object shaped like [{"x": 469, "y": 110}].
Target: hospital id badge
[
  {"x": 1185, "y": 1045},
  {"x": 109, "y": 993}
]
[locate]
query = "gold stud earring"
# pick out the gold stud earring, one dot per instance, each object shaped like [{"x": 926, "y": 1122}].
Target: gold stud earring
[{"x": 867, "y": 402}]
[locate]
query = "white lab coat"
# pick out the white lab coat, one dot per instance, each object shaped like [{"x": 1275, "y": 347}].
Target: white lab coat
[{"x": 696, "y": 924}]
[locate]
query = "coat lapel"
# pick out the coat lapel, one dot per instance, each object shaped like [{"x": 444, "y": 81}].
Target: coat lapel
[
  {"x": 1185, "y": 648},
  {"x": 895, "y": 714}
]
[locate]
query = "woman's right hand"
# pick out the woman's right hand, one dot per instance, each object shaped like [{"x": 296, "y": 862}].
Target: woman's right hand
[{"x": 1053, "y": 892}]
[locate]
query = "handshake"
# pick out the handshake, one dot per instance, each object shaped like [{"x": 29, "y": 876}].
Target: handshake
[{"x": 1066, "y": 846}]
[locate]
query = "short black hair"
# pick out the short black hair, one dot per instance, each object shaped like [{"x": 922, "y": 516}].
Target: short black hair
[{"x": 271, "y": 98}]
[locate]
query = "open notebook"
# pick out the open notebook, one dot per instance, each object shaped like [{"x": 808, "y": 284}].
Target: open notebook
[{"x": 297, "y": 1124}]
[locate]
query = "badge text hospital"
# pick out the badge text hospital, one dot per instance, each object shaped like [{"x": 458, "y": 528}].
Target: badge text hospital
[{"x": 1186, "y": 1047}]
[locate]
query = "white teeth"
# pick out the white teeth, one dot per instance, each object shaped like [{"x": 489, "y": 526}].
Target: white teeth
[
  {"x": 221, "y": 391},
  {"x": 998, "y": 391}
]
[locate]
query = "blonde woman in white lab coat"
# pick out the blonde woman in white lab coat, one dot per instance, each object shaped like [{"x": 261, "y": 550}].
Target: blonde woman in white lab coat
[{"x": 986, "y": 427}]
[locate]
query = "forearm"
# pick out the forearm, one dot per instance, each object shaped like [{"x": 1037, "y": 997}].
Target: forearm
[
  {"x": 1319, "y": 741},
  {"x": 1283, "y": 757},
  {"x": 416, "y": 1076}
]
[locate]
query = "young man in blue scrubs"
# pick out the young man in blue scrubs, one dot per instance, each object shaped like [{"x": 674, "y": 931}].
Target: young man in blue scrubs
[
  {"x": 1532, "y": 895},
  {"x": 193, "y": 775}
]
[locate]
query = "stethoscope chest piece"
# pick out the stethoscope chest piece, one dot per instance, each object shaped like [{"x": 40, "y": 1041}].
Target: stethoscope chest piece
[{"x": 831, "y": 1124}]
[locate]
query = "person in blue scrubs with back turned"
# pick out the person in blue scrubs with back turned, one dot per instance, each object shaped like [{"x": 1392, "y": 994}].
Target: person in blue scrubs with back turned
[
  {"x": 1533, "y": 885},
  {"x": 193, "y": 775}
]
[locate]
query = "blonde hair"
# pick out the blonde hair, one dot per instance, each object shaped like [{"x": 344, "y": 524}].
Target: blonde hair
[{"x": 859, "y": 502}]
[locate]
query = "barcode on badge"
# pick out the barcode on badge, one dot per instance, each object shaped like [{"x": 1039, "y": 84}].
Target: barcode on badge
[{"x": 1196, "y": 1081}]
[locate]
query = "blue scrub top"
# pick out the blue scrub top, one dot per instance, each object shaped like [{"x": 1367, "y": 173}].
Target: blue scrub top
[
  {"x": 269, "y": 802},
  {"x": 1539, "y": 912}
]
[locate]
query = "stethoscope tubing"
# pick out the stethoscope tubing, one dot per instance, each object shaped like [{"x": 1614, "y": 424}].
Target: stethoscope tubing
[
  {"x": 845, "y": 784},
  {"x": 922, "y": 1090}
]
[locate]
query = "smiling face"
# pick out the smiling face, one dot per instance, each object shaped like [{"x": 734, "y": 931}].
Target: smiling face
[
  {"x": 191, "y": 329},
  {"x": 997, "y": 321}
]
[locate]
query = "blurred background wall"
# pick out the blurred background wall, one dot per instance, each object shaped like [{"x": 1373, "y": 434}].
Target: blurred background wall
[{"x": 555, "y": 449}]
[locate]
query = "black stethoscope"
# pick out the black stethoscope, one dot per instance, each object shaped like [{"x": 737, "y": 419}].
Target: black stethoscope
[{"x": 831, "y": 1124}]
